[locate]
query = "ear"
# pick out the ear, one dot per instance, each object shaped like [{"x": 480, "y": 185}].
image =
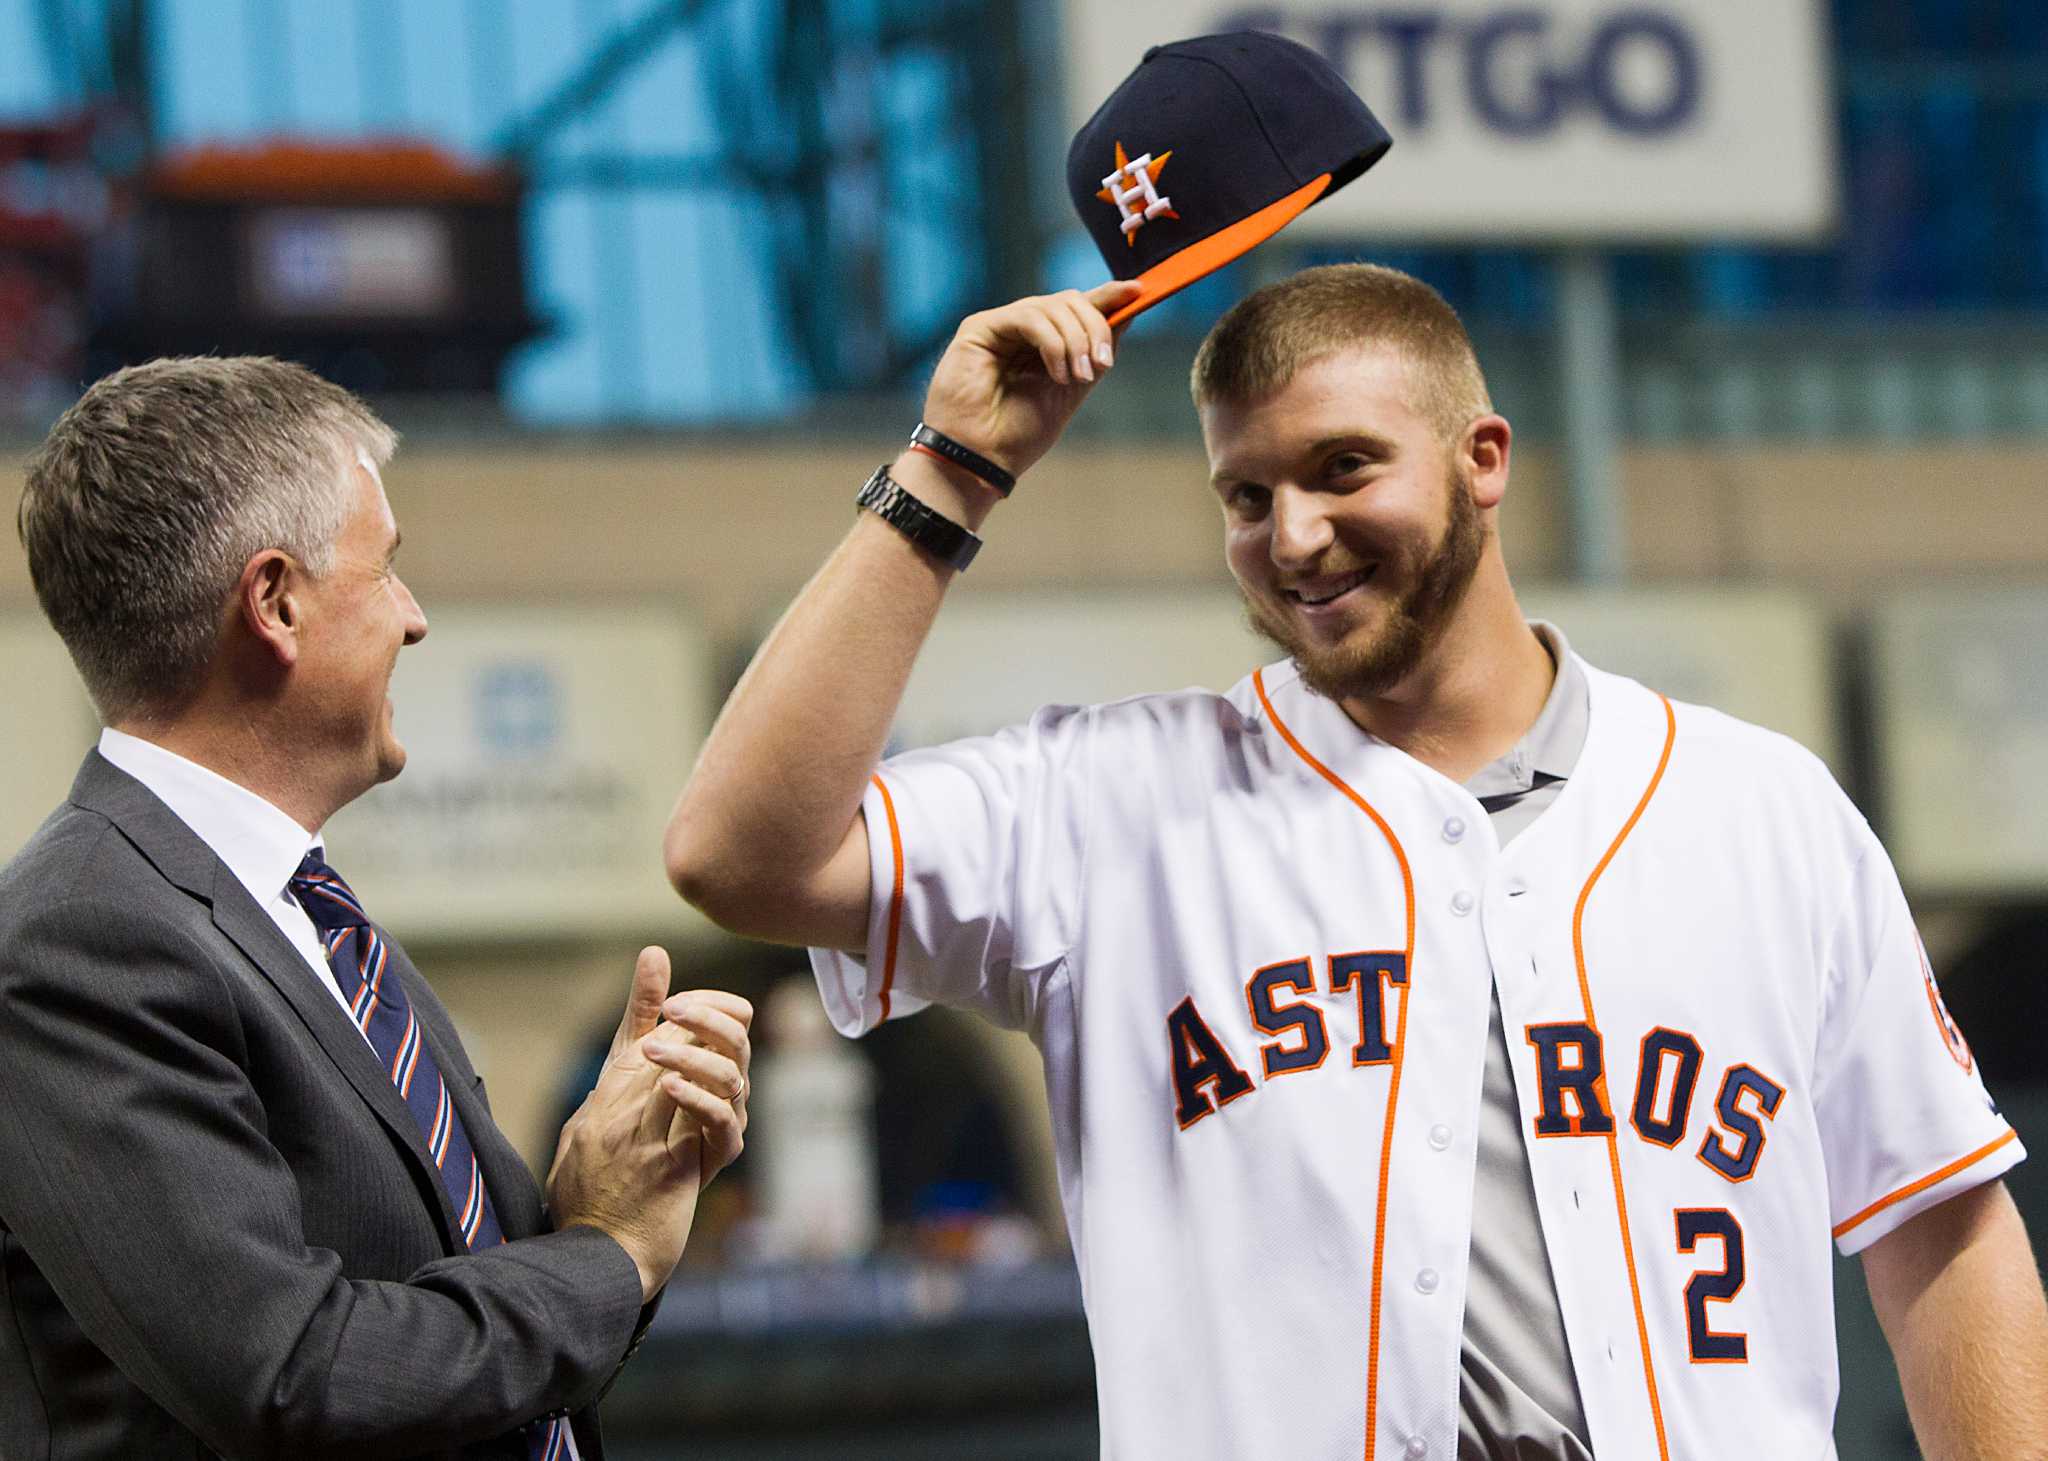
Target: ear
[
  {"x": 1483, "y": 453},
  {"x": 267, "y": 604}
]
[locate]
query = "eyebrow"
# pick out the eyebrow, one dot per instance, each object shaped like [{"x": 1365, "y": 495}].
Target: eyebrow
[{"x": 1368, "y": 443}]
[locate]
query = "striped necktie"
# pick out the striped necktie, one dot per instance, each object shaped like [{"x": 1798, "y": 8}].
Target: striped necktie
[{"x": 361, "y": 961}]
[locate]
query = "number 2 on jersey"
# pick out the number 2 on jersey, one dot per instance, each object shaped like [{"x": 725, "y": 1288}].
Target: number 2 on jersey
[{"x": 1709, "y": 1286}]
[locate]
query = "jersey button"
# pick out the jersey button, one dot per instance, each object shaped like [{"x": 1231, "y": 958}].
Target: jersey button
[
  {"x": 1454, "y": 829},
  {"x": 1426, "y": 1281},
  {"x": 1439, "y": 1136},
  {"x": 1416, "y": 1446},
  {"x": 1461, "y": 902}
]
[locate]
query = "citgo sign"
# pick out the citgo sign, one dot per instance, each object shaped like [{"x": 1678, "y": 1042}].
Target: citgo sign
[{"x": 1573, "y": 120}]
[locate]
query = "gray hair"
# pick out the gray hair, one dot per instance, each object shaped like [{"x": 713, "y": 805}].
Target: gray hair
[{"x": 151, "y": 494}]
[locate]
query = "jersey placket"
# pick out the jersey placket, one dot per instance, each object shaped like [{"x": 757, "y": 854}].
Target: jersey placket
[
  {"x": 1545, "y": 874},
  {"x": 1429, "y": 1200}
]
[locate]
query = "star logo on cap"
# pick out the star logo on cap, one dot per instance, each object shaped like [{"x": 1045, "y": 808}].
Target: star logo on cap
[{"x": 1134, "y": 189}]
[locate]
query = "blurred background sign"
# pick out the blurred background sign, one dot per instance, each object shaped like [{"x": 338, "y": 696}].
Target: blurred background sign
[
  {"x": 1962, "y": 697},
  {"x": 391, "y": 266},
  {"x": 545, "y": 747},
  {"x": 995, "y": 658},
  {"x": 1567, "y": 120},
  {"x": 1762, "y": 654}
]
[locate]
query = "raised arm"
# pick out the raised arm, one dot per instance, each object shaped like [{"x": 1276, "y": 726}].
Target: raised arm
[
  {"x": 767, "y": 837},
  {"x": 1960, "y": 1300}
]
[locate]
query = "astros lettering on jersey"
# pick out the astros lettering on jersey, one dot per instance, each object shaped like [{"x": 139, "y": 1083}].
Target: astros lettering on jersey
[{"x": 1254, "y": 946}]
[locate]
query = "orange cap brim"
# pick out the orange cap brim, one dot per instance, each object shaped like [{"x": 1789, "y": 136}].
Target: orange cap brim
[{"x": 1205, "y": 256}]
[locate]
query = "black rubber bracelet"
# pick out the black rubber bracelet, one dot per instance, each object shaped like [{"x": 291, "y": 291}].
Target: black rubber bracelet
[
  {"x": 939, "y": 536},
  {"x": 963, "y": 456}
]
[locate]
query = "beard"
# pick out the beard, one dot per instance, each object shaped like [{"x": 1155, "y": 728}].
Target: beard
[{"x": 1374, "y": 658}]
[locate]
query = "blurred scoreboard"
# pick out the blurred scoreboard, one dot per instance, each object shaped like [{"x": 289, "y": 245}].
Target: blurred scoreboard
[
  {"x": 351, "y": 263},
  {"x": 391, "y": 267}
]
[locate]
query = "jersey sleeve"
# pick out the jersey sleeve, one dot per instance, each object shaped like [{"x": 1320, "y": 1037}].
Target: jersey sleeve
[
  {"x": 1905, "y": 1120},
  {"x": 975, "y": 854}
]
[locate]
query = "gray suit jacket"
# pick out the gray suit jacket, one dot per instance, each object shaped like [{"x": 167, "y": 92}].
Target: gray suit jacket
[{"x": 219, "y": 1228}]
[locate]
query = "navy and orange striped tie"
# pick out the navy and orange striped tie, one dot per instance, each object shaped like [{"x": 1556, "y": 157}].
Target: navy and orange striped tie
[{"x": 361, "y": 961}]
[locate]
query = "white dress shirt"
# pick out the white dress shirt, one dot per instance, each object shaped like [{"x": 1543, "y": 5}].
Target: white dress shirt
[{"x": 261, "y": 846}]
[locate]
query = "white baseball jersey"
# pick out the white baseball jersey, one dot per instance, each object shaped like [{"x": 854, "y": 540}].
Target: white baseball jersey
[{"x": 1254, "y": 945}]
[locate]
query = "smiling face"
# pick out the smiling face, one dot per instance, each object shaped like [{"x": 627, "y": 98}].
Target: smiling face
[
  {"x": 1349, "y": 521},
  {"x": 356, "y": 617}
]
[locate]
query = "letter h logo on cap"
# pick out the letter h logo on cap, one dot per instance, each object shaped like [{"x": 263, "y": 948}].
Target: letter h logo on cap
[
  {"x": 1136, "y": 180},
  {"x": 1257, "y": 127}
]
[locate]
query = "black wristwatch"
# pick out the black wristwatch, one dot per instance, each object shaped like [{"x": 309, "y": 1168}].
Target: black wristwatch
[{"x": 939, "y": 536}]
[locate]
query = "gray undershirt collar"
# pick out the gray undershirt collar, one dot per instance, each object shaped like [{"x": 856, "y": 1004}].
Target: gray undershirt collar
[{"x": 1550, "y": 748}]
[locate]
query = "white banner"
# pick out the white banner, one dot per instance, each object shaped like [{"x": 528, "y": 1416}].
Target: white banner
[
  {"x": 545, "y": 748},
  {"x": 1560, "y": 120}
]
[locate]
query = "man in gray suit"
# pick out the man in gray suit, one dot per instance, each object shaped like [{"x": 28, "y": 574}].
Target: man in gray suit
[{"x": 252, "y": 1201}]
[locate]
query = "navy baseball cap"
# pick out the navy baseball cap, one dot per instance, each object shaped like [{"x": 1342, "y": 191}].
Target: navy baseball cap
[{"x": 1208, "y": 149}]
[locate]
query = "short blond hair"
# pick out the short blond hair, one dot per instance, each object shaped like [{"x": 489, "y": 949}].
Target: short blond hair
[{"x": 1269, "y": 336}]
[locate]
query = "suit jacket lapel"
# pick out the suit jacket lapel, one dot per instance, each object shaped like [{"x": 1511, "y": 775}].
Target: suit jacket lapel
[
  {"x": 235, "y": 914},
  {"x": 188, "y": 863}
]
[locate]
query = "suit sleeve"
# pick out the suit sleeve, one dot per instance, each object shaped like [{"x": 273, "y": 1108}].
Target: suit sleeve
[
  {"x": 975, "y": 851},
  {"x": 1905, "y": 1119},
  {"x": 138, "y": 1175}
]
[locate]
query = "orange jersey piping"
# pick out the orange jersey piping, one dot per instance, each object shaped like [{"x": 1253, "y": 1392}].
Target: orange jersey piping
[
  {"x": 1613, "y": 1144},
  {"x": 895, "y": 896},
  {"x": 1379, "y": 1246},
  {"x": 1924, "y": 1183}
]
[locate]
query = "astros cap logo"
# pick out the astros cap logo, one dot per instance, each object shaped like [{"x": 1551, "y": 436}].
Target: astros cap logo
[{"x": 1143, "y": 174}]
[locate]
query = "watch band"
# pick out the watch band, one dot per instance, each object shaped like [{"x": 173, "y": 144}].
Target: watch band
[
  {"x": 939, "y": 536},
  {"x": 940, "y": 444}
]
